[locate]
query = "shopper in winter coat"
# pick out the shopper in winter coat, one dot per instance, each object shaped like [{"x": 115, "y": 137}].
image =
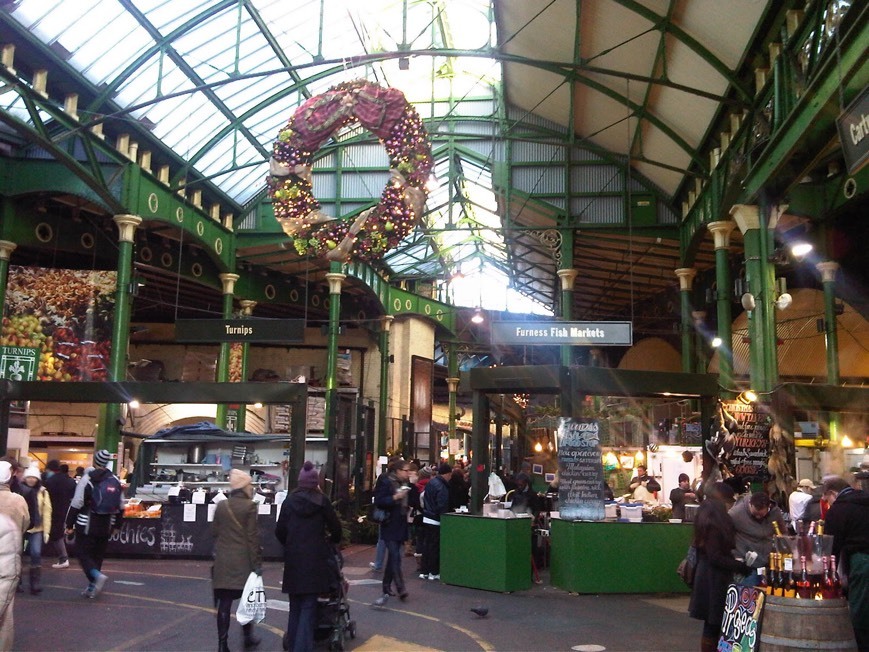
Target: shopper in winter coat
[
  {"x": 714, "y": 539},
  {"x": 310, "y": 560},
  {"x": 39, "y": 507},
  {"x": 237, "y": 554},
  {"x": 14, "y": 519},
  {"x": 435, "y": 502},
  {"x": 391, "y": 494},
  {"x": 848, "y": 521},
  {"x": 61, "y": 489}
]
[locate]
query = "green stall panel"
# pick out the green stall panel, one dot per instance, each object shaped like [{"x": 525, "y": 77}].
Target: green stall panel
[
  {"x": 482, "y": 552},
  {"x": 608, "y": 557}
]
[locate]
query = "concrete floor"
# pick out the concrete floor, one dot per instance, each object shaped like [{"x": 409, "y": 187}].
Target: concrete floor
[{"x": 166, "y": 605}]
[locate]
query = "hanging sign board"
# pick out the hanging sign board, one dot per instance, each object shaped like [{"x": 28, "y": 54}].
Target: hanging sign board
[
  {"x": 571, "y": 333},
  {"x": 853, "y": 127},
  {"x": 580, "y": 481},
  {"x": 740, "y": 625},
  {"x": 240, "y": 330},
  {"x": 746, "y": 449}
]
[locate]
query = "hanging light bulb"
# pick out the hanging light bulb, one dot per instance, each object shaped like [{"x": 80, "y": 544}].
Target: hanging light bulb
[
  {"x": 538, "y": 447},
  {"x": 478, "y": 316}
]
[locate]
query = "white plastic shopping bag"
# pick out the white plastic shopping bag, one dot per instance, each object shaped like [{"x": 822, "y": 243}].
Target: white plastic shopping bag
[
  {"x": 252, "y": 606},
  {"x": 496, "y": 486}
]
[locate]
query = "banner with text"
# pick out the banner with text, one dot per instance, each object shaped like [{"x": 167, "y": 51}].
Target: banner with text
[
  {"x": 280, "y": 331},
  {"x": 580, "y": 470},
  {"x": 570, "y": 333}
]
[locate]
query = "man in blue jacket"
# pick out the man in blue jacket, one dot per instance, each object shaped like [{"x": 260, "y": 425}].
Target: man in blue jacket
[{"x": 436, "y": 501}]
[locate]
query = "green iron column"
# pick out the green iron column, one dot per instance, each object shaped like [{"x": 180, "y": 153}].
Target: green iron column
[
  {"x": 698, "y": 319},
  {"x": 335, "y": 278},
  {"x": 453, "y": 388},
  {"x": 247, "y": 307},
  {"x": 380, "y": 444},
  {"x": 686, "y": 279},
  {"x": 567, "y": 276},
  {"x": 6, "y": 249},
  {"x": 228, "y": 281},
  {"x": 721, "y": 231},
  {"x": 755, "y": 226},
  {"x": 828, "y": 276},
  {"x": 108, "y": 431}
]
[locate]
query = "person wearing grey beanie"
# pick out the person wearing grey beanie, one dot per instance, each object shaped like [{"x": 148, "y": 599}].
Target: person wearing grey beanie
[{"x": 306, "y": 518}]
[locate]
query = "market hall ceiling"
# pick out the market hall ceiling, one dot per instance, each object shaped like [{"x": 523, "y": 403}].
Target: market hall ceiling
[{"x": 604, "y": 110}]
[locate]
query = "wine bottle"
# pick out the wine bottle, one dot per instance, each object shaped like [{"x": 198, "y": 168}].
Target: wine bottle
[
  {"x": 777, "y": 578},
  {"x": 789, "y": 585},
  {"x": 804, "y": 586},
  {"x": 834, "y": 575},
  {"x": 776, "y": 528},
  {"x": 766, "y": 579},
  {"x": 828, "y": 591}
]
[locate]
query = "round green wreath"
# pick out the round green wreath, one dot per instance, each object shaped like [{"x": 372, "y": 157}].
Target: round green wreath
[{"x": 387, "y": 114}]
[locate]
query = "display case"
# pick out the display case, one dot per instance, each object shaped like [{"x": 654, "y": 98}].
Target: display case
[{"x": 187, "y": 459}]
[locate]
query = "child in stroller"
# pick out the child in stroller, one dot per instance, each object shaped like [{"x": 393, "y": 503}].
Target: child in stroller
[{"x": 333, "y": 609}]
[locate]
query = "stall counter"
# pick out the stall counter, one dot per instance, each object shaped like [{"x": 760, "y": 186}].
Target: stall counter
[
  {"x": 482, "y": 552},
  {"x": 614, "y": 557}
]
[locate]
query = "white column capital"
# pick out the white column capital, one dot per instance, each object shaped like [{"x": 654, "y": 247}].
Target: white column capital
[
  {"x": 6, "y": 249},
  {"x": 721, "y": 232},
  {"x": 828, "y": 270},
  {"x": 686, "y": 277},
  {"x": 247, "y": 306},
  {"x": 452, "y": 384},
  {"x": 567, "y": 276},
  {"x": 386, "y": 323},
  {"x": 127, "y": 226},
  {"x": 335, "y": 280},
  {"x": 228, "y": 281}
]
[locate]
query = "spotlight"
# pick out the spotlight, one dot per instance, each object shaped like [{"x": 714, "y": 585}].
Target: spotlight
[
  {"x": 478, "y": 316},
  {"x": 748, "y": 301},
  {"x": 716, "y": 342},
  {"x": 747, "y": 397},
  {"x": 784, "y": 300},
  {"x": 800, "y": 250},
  {"x": 134, "y": 404}
]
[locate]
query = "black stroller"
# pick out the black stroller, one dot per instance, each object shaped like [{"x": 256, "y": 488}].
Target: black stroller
[{"x": 333, "y": 610}]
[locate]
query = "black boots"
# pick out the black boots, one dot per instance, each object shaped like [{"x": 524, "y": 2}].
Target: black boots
[
  {"x": 35, "y": 580},
  {"x": 250, "y": 641},
  {"x": 223, "y": 617}
]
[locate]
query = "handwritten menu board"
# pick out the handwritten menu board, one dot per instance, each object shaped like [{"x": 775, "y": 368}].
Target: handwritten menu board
[
  {"x": 740, "y": 625},
  {"x": 580, "y": 486},
  {"x": 750, "y": 442}
]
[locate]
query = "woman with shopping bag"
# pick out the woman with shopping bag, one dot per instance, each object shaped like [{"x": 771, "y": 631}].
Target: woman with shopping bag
[{"x": 237, "y": 554}]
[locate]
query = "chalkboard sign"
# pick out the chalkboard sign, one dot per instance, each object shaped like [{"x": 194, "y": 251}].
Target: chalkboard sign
[
  {"x": 580, "y": 484},
  {"x": 740, "y": 625},
  {"x": 749, "y": 455}
]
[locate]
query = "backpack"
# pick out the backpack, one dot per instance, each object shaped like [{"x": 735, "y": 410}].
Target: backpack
[{"x": 106, "y": 495}]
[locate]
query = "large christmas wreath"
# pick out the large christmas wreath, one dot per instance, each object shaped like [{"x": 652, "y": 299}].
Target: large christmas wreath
[{"x": 387, "y": 114}]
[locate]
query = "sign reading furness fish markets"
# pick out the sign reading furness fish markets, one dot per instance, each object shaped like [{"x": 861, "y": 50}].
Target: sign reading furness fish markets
[
  {"x": 572, "y": 333},
  {"x": 853, "y": 127}
]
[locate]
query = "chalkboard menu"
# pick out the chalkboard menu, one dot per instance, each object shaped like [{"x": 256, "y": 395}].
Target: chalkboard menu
[
  {"x": 740, "y": 626},
  {"x": 749, "y": 455},
  {"x": 580, "y": 470}
]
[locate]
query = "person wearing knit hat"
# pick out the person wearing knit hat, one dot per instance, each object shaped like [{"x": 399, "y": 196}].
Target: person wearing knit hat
[
  {"x": 237, "y": 554},
  {"x": 94, "y": 513},
  {"x": 436, "y": 501},
  {"x": 39, "y": 507},
  {"x": 306, "y": 517}
]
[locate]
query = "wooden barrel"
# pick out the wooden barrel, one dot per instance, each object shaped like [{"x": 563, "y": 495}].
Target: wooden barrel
[{"x": 790, "y": 624}]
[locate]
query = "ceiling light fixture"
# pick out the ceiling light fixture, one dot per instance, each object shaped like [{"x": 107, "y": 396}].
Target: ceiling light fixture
[{"x": 478, "y": 316}]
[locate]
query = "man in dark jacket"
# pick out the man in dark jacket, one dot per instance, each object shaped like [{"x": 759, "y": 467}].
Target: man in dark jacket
[
  {"x": 61, "y": 489},
  {"x": 92, "y": 529},
  {"x": 310, "y": 564},
  {"x": 391, "y": 494},
  {"x": 436, "y": 501},
  {"x": 848, "y": 521}
]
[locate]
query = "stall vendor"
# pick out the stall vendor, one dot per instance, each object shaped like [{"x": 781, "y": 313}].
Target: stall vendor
[{"x": 681, "y": 496}]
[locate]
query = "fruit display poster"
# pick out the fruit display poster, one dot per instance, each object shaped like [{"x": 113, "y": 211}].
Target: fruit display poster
[{"x": 67, "y": 315}]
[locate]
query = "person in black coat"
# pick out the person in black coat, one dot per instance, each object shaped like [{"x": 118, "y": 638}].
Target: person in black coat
[
  {"x": 714, "y": 539},
  {"x": 391, "y": 494},
  {"x": 310, "y": 566},
  {"x": 61, "y": 489}
]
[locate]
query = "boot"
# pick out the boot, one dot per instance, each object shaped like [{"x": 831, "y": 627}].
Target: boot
[
  {"x": 222, "y": 630},
  {"x": 250, "y": 640},
  {"x": 35, "y": 579}
]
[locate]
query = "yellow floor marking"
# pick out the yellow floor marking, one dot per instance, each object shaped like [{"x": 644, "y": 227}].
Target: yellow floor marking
[{"x": 378, "y": 643}]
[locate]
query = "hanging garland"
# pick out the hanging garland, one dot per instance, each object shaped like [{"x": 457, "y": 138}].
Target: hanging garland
[{"x": 387, "y": 114}]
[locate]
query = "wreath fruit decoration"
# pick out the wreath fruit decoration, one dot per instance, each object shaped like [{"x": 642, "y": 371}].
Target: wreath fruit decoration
[{"x": 388, "y": 115}]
